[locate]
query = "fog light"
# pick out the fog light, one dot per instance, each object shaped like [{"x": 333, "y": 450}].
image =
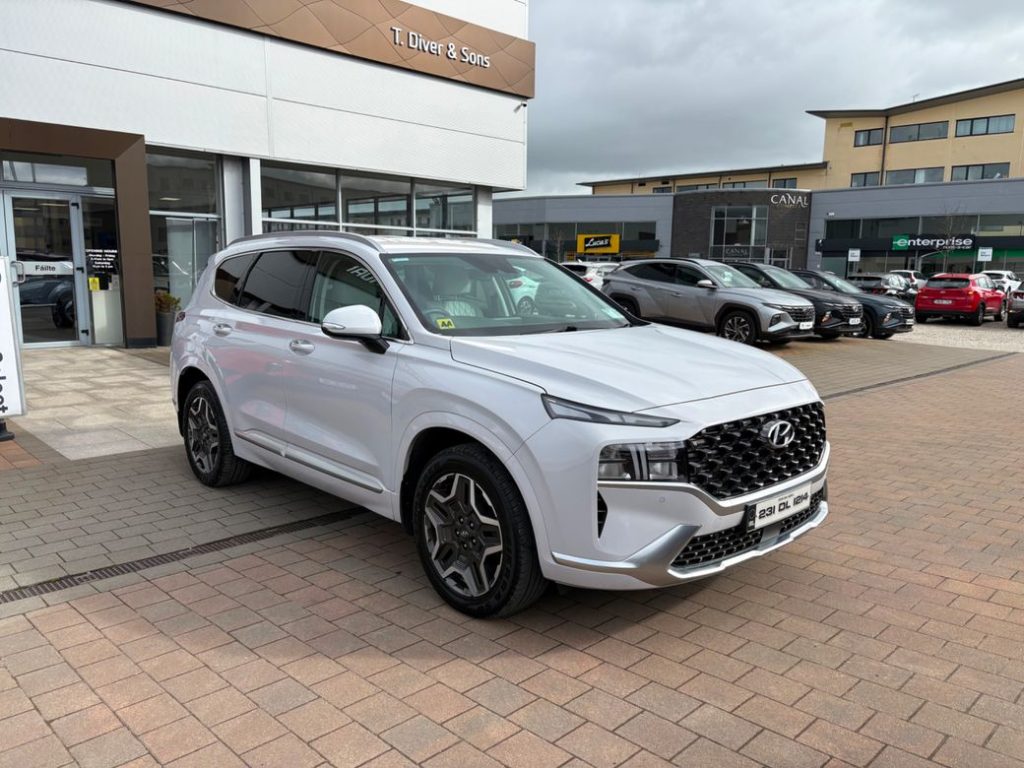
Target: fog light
[{"x": 826, "y": 317}]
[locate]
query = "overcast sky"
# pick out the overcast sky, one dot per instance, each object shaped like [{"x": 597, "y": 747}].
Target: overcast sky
[{"x": 641, "y": 87}]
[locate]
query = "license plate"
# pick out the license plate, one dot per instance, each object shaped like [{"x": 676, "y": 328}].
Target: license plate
[
  {"x": 779, "y": 508},
  {"x": 943, "y": 301},
  {"x": 854, "y": 321},
  {"x": 806, "y": 326},
  {"x": 911, "y": 322}
]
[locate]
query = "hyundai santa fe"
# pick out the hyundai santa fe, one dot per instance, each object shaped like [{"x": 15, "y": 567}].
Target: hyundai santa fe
[{"x": 573, "y": 443}]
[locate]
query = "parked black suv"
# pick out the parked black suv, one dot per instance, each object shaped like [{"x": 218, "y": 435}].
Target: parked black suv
[
  {"x": 834, "y": 315},
  {"x": 883, "y": 315}
]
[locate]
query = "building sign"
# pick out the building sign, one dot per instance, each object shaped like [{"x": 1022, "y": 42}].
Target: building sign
[
  {"x": 984, "y": 254},
  {"x": 932, "y": 242},
  {"x": 597, "y": 243},
  {"x": 853, "y": 254},
  {"x": 101, "y": 260},
  {"x": 392, "y": 32},
  {"x": 788, "y": 200},
  {"x": 12, "y": 391}
]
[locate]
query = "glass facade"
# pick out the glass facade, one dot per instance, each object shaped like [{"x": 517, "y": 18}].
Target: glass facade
[
  {"x": 557, "y": 240},
  {"x": 296, "y": 193},
  {"x": 444, "y": 207},
  {"x": 739, "y": 232},
  {"x": 56, "y": 170}
]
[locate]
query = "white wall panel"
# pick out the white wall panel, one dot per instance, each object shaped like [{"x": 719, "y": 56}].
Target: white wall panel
[
  {"x": 310, "y": 134},
  {"x": 508, "y": 16}
]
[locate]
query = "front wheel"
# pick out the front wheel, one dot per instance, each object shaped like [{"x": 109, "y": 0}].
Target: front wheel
[
  {"x": 738, "y": 326},
  {"x": 979, "y": 316},
  {"x": 208, "y": 442},
  {"x": 473, "y": 534},
  {"x": 1000, "y": 313},
  {"x": 629, "y": 305},
  {"x": 867, "y": 326},
  {"x": 829, "y": 335},
  {"x": 1013, "y": 321}
]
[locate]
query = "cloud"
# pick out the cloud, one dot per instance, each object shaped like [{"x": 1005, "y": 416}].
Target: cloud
[{"x": 638, "y": 87}]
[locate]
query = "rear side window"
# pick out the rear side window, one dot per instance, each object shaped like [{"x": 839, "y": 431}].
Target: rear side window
[
  {"x": 274, "y": 285},
  {"x": 948, "y": 282},
  {"x": 341, "y": 281},
  {"x": 661, "y": 273},
  {"x": 230, "y": 272}
]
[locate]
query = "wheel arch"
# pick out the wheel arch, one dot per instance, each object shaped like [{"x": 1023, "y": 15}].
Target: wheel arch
[
  {"x": 188, "y": 378},
  {"x": 733, "y": 306}
]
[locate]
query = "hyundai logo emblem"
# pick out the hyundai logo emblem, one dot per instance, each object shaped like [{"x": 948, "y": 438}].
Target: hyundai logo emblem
[{"x": 778, "y": 434}]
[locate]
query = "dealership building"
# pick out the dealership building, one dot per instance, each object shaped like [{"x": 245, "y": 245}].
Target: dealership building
[
  {"x": 924, "y": 184},
  {"x": 137, "y": 137}
]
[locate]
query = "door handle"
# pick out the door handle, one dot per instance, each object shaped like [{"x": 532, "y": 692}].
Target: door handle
[
  {"x": 19, "y": 272},
  {"x": 301, "y": 347},
  {"x": 222, "y": 329}
]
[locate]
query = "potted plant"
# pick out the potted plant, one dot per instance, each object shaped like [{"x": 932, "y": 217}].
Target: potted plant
[{"x": 166, "y": 307}]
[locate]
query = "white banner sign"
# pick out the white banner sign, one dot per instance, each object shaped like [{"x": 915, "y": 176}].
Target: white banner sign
[
  {"x": 12, "y": 391},
  {"x": 984, "y": 254},
  {"x": 39, "y": 268},
  {"x": 853, "y": 254}
]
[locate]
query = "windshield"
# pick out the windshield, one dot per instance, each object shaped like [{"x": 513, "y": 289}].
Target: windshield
[
  {"x": 785, "y": 279},
  {"x": 843, "y": 286},
  {"x": 728, "y": 277},
  {"x": 482, "y": 294},
  {"x": 948, "y": 282}
]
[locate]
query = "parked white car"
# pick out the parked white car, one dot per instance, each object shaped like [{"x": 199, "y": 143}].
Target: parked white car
[
  {"x": 1005, "y": 280},
  {"x": 575, "y": 444},
  {"x": 592, "y": 272}
]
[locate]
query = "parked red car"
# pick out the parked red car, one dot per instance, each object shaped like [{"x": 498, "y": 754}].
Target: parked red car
[{"x": 965, "y": 297}]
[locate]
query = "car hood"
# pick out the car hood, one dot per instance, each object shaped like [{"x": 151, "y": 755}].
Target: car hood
[
  {"x": 816, "y": 296},
  {"x": 763, "y": 295},
  {"x": 877, "y": 300},
  {"x": 627, "y": 369}
]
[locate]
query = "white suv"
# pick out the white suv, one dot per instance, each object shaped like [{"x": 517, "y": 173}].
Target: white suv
[{"x": 575, "y": 443}]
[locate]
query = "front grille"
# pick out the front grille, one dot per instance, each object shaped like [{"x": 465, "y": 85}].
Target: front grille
[
  {"x": 906, "y": 312},
  {"x": 800, "y": 314},
  {"x": 712, "y": 547},
  {"x": 731, "y": 459},
  {"x": 848, "y": 310}
]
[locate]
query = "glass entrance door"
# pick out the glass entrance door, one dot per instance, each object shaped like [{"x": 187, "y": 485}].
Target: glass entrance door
[{"x": 43, "y": 236}]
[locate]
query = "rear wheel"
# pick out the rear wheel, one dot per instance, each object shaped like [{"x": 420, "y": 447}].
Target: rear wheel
[
  {"x": 1013, "y": 321},
  {"x": 526, "y": 307},
  {"x": 474, "y": 535},
  {"x": 208, "y": 442},
  {"x": 979, "y": 316},
  {"x": 923, "y": 318},
  {"x": 829, "y": 335},
  {"x": 738, "y": 325},
  {"x": 1000, "y": 313}
]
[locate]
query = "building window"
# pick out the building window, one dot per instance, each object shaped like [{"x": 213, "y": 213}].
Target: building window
[
  {"x": 661, "y": 189},
  {"x": 306, "y": 195},
  {"x": 694, "y": 187},
  {"x": 868, "y": 137},
  {"x": 867, "y": 179},
  {"x": 983, "y": 171},
  {"x": 184, "y": 221},
  {"x": 907, "y": 225},
  {"x": 951, "y": 224},
  {"x": 30, "y": 168},
  {"x": 739, "y": 232},
  {"x": 843, "y": 228},
  {"x": 758, "y": 184},
  {"x": 918, "y": 132},
  {"x": 914, "y": 176},
  {"x": 1001, "y": 224},
  {"x": 444, "y": 207},
  {"x": 981, "y": 126},
  {"x": 367, "y": 201},
  {"x": 639, "y": 230},
  {"x": 789, "y": 183}
]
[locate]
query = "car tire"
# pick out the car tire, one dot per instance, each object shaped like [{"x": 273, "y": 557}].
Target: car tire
[
  {"x": 867, "y": 326},
  {"x": 208, "y": 444},
  {"x": 923, "y": 318},
  {"x": 1012, "y": 321},
  {"x": 1000, "y": 313},
  {"x": 63, "y": 312},
  {"x": 629, "y": 305},
  {"x": 738, "y": 325},
  {"x": 884, "y": 336},
  {"x": 475, "y": 501},
  {"x": 979, "y": 316},
  {"x": 829, "y": 335}
]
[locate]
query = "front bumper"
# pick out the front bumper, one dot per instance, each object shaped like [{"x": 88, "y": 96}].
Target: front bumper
[
  {"x": 656, "y": 564},
  {"x": 840, "y": 325}
]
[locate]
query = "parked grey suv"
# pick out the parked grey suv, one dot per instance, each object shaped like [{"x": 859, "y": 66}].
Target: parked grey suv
[{"x": 709, "y": 295}]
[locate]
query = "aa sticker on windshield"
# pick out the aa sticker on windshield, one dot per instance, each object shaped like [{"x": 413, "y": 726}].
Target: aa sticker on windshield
[{"x": 445, "y": 323}]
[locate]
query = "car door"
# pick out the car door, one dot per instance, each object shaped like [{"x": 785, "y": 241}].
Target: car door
[
  {"x": 247, "y": 338},
  {"x": 648, "y": 284},
  {"x": 339, "y": 390},
  {"x": 993, "y": 297},
  {"x": 690, "y": 303}
]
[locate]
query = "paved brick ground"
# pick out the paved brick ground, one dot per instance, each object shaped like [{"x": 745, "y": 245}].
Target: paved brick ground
[{"x": 892, "y": 635}]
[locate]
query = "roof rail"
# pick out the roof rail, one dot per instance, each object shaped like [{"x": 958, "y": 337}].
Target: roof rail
[
  {"x": 507, "y": 244},
  {"x": 321, "y": 232}
]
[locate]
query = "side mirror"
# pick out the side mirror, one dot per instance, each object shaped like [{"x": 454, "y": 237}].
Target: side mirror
[
  {"x": 357, "y": 321},
  {"x": 705, "y": 283}
]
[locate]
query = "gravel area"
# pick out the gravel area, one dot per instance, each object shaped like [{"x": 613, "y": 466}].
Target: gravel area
[{"x": 945, "y": 333}]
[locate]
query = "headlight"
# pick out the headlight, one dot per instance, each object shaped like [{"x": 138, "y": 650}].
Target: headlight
[
  {"x": 783, "y": 307},
  {"x": 566, "y": 409},
  {"x": 664, "y": 462}
]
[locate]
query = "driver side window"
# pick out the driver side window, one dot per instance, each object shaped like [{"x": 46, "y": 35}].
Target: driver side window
[
  {"x": 688, "y": 275},
  {"x": 754, "y": 274},
  {"x": 341, "y": 281}
]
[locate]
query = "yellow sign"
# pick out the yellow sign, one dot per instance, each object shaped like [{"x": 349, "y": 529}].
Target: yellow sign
[
  {"x": 445, "y": 323},
  {"x": 94, "y": 284},
  {"x": 597, "y": 243}
]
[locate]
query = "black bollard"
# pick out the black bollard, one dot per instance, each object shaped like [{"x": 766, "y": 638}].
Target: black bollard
[{"x": 4, "y": 434}]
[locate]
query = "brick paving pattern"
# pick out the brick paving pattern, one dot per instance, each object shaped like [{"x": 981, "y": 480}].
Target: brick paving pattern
[{"x": 893, "y": 635}]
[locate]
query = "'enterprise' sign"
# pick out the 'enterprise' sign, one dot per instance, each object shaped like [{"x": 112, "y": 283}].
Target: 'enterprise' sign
[{"x": 932, "y": 242}]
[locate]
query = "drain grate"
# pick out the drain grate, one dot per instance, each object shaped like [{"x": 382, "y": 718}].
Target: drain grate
[{"x": 66, "y": 582}]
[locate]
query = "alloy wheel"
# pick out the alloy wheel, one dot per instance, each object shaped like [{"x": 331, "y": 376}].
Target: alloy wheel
[
  {"x": 463, "y": 535},
  {"x": 202, "y": 434},
  {"x": 737, "y": 328}
]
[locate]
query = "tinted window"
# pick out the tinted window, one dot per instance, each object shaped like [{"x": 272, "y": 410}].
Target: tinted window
[
  {"x": 688, "y": 275},
  {"x": 661, "y": 273},
  {"x": 275, "y": 282},
  {"x": 754, "y": 274},
  {"x": 229, "y": 274},
  {"x": 948, "y": 282},
  {"x": 341, "y": 281}
]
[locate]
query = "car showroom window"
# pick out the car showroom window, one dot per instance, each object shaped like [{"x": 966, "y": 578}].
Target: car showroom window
[
  {"x": 342, "y": 281},
  {"x": 230, "y": 273},
  {"x": 275, "y": 283}
]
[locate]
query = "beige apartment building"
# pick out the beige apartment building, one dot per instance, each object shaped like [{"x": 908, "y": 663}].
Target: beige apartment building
[{"x": 969, "y": 135}]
